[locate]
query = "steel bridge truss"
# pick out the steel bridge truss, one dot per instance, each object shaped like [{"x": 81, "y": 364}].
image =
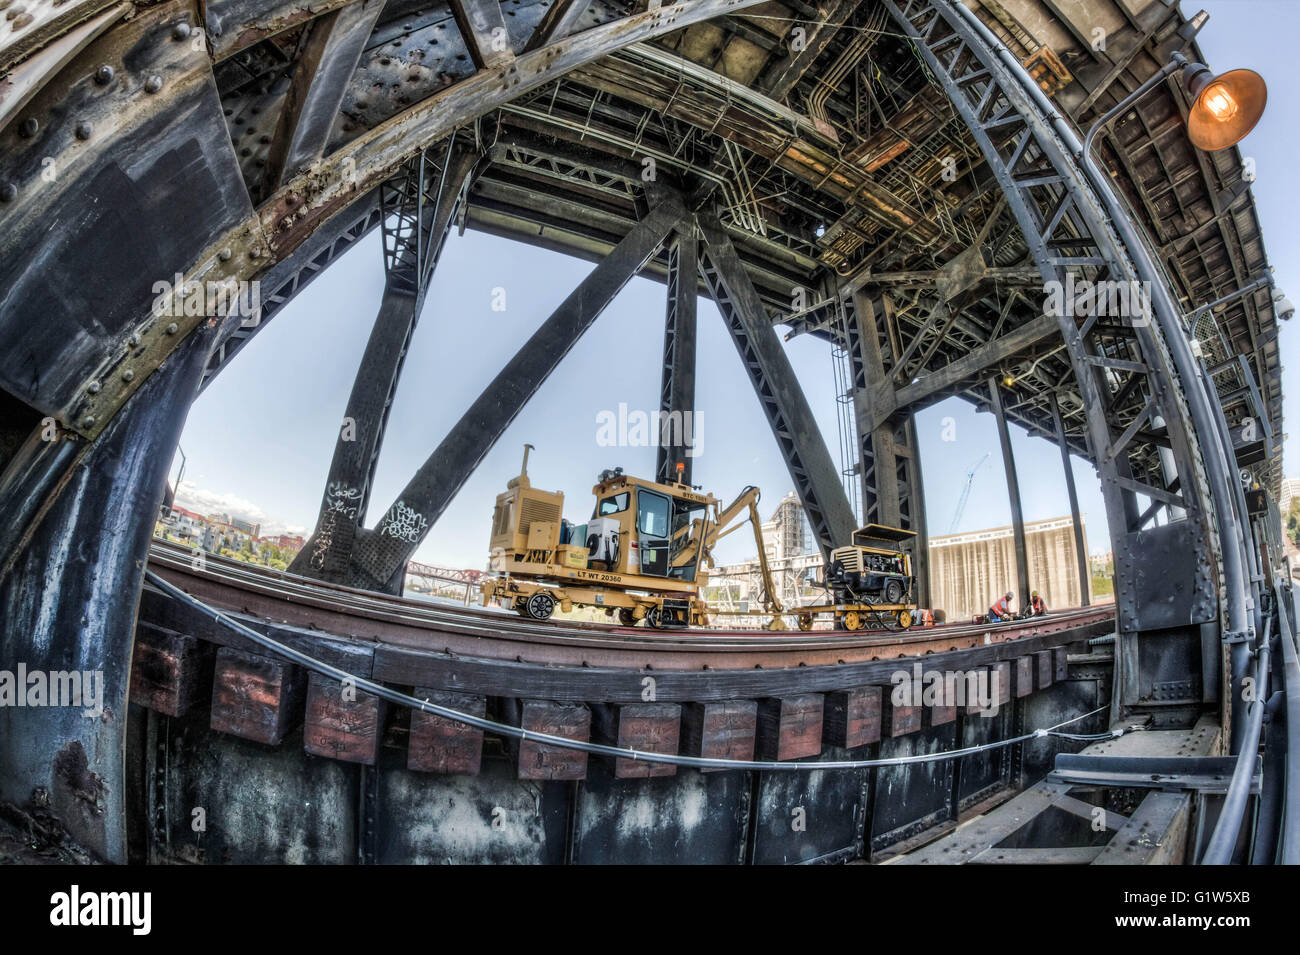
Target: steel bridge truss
[{"x": 1121, "y": 364}]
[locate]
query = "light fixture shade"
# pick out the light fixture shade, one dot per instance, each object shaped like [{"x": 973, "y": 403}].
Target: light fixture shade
[{"x": 1226, "y": 108}]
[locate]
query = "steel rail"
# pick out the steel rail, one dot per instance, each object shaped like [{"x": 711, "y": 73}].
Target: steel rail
[
  {"x": 1223, "y": 840},
  {"x": 1290, "y": 854},
  {"x": 601, "y": 749},
  {"x": 507, "y": 629}
]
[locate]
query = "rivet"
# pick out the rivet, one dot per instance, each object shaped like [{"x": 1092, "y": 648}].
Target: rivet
[
  {"x": 224, "y": 255},
  {"x": 153, "y": 84},
  {"x": 128, "y": 375},
  {"x": 8, "y": 192},
  {"x": 84, "y": 130},
  {"x": 29, "y": 128},
  {"x": 93, "y": 387},
  {"x": 254, "y": 253},
  {"x": 134, "y": 339},
  {"x": 172, "y": 328},
  {"x": 180, "y": 31},
  {"x": 104, "y": 75},
  {"x": 88, "y": 422}
]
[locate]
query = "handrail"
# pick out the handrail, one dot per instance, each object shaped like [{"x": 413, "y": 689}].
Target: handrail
[
  {"x": 1291, "y": 687},
  {"x": 1223, "y": 840}
]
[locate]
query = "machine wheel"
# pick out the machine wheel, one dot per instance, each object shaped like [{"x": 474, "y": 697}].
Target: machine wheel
[
  {"x": 852, "y": 621},
  {"x": 654, "y": 617},
  {"x": 904, "y": 618},
  {"x": 893, "y": 591},
  {"x": 626, "y": 617},
  {"x": 540, "y": 605},
  {"x": 805, "y": 621}
]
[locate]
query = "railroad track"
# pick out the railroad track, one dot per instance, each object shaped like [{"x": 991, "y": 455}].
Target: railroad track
[{"x": 485, "y": 633}]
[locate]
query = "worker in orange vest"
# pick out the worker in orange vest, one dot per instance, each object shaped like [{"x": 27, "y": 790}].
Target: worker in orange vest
[
  {"x": 1001, "y": 610},
  {"x": 1036, "y": 605}
]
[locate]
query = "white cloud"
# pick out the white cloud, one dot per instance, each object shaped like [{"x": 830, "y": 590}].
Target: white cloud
[{"x": 205, "y": 502}]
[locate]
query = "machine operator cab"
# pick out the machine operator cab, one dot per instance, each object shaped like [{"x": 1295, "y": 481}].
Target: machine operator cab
[
  {"x": 647, "y": 528},
  {"x": 874, "y": 568}
]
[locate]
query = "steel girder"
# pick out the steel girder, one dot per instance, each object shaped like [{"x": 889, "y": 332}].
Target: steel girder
[
  {"x": 677, "y": 391},
  {"x": 417, "y": 210},
  {"x": 1013, "y": 492},
  {"x": 889, "y": 458},
  {"x": 1168, "y": 577},
  {"x": 377, "y": 559},
  {"x": 816, "y": 479},
  {"x": 290, "y": 276}
]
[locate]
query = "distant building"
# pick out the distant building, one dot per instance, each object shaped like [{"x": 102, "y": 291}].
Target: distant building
[
  {"x": 968, "y": 572},
  {"x": 1290, "y": 491},
  {"x": 286, "y": 542},
  {"x": 238, "y": 523},
  {"x": 187, "y": 525}
]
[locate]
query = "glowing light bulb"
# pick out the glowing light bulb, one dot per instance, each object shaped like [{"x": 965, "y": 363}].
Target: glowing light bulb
[{"x": 1220, "y": 102}]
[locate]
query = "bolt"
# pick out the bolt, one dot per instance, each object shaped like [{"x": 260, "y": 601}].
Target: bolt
[
  {"x": 104, "y": 75},
  {"x": 134, "y": 339},
  {"x": 128, "y": 375},
  {"x": 93, "y": 387},
  {"x": 180, "y": 31},
  {"x": 29, "y": 127},
  {"x": 172, "y": 328},
  {"x": 84, "y": 130},
  {"x": 153, "y": 84},
  {"x": 8, "y": 192}
]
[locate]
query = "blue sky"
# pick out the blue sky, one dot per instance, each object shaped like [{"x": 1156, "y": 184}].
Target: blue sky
[{"x": 259, "y": 439}]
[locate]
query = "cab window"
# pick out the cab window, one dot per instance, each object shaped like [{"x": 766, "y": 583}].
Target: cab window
[
  {"x": 652, "y": 514},
  {"x": 611, "y": 505}
]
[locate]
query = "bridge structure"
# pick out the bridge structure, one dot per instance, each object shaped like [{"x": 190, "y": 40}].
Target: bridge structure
[{"x": 905, "y": 180}]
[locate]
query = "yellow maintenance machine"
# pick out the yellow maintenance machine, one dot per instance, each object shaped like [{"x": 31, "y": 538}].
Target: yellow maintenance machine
[
  {"x": 645, "y": 553},
  {"x": 870, "y": 580}
]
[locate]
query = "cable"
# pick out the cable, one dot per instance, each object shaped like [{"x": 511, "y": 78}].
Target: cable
[{"x": 600, "y": 749}]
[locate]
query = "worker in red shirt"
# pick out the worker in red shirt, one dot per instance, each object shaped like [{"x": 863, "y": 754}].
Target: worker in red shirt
[
  {"x": 1036, "y": 605},
  {"x": 1001, "y": 610}
]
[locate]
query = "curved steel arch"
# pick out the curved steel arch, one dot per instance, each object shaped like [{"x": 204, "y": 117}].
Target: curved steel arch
[{"x": 1037, "y": 162}]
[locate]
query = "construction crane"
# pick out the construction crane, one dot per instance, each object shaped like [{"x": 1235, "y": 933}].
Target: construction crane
[{"x": 965, "y": 492}]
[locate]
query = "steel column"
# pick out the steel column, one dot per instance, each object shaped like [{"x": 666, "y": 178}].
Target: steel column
[
  {"x": 890, "y": 463},
  {"x": 414, "y": 245},
  {"x": 815, "y": 477},
  {"x": 677, "y": 392},
  {"x": 380, "y": 555},
  {"x": 1080, "y": 549},
  {"x": 1013, "y": 491}
]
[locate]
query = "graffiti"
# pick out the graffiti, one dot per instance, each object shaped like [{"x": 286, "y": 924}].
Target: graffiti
[
  {"x": 340, "y": 499},
  {"x": 404, "y": 523}
]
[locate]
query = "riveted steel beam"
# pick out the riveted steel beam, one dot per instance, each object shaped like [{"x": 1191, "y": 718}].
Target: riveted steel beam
[
  {"x": 248, "y": 248},
  {"x": 815, "y": 477},
  {"x": 379, "y": 556},
  {"x": 419, "y": 208},
  {"x": 1071, "y": 241},
  {"x": 677, "y": 389}
]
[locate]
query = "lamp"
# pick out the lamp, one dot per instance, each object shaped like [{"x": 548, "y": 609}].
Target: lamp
[{"x": 1225, "y": 107}]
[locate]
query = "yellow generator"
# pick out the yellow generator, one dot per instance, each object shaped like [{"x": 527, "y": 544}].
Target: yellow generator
[{"x": 644, "y": 553}]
